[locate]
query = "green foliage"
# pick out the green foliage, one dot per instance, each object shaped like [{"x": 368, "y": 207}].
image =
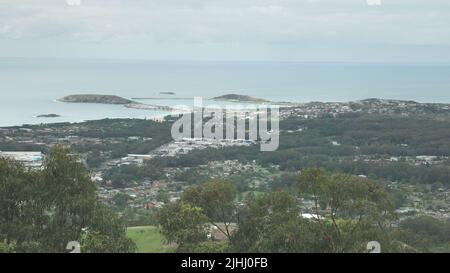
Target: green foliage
[
  {"x": 182, "y": 223},
  {"x": 426, "y": 231},
  {"x": 124, "y": 128},
  {"x": 271, "y": 223},
  {"x": 216, "y": 199},
  {"x": 68, "y": 195},
  {"x": 360, "y": 135},
  {"x": 206, "y": 247},
  {"x": 129, "y": 175},
  {"x": 350, "y": 212},
  {"x": 94, "y": 160},
  {"x": 121, "y": 200},
  {"x": 354, "y": 209},
  {"x": 186, "y": 222},
  {"x": 134, "y": 217},
  {"x": 191, "y": 176},
  {"x": 19, "y": 207},
  {"x": 112, "y": 133},
  {"x": 43, "y": 210},
  {"x": 6, "y": 248},
  {"x": 95, "y": 242}
]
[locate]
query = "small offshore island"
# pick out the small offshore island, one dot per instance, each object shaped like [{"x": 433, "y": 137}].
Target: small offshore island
[
  {"x": 94, "y": 98},
  {"x": 111, "y": 99},
  {"x": 48, "y": 116},
  {"x": 239, "y": 98}
]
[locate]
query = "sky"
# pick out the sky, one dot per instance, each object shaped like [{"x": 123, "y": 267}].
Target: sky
[{"x": 228, "y": 30}]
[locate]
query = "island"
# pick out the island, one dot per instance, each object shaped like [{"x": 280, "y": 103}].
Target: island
[
  {"x": 49, "y": 116},
  {"x": 239, "y": 98},
  {"x": 112, "y": 99},
  {"x": 94, "y": 98},
  {"x": 167, "y": 93}
]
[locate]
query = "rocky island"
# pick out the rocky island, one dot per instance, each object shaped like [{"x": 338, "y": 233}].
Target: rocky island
[
  {"x": 93, "y": 98},
  {"x": 49, "y": 116},
  {"x": 239, "y": 98},
  {"x": 112, "y": 99}
]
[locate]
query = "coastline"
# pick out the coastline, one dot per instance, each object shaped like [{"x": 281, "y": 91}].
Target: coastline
[{"x": 115, "y": 111}]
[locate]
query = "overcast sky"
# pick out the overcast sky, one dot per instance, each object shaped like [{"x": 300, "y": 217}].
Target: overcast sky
[{"x": 278, "y": 30}]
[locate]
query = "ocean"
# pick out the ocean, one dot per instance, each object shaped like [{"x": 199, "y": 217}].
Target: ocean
[{"x": 30, "y": 87}]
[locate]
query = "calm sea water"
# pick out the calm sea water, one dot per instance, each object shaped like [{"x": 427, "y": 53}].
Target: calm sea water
[{"x": 30, "y": 87}]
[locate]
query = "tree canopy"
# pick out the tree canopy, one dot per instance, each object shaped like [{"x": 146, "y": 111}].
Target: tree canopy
[
  {"x": 347, "y": 213},
  {"x": 43, "y": 210}
]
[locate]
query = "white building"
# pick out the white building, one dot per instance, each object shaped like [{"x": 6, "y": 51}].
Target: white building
[
  {"x": 29, "y": 159},
  {"x": 310, "y": 216}
]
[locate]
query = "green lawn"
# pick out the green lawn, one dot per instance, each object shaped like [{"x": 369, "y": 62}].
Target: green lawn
[
  {"x": 444, "y": 248},
  {"x": 148, "y": 240}
]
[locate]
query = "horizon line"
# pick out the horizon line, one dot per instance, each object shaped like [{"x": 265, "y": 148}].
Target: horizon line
[{"x": 226, "y": 61}]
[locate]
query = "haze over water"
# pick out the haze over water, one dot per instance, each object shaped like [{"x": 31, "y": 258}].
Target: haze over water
[{"x": 29, "y": 87}]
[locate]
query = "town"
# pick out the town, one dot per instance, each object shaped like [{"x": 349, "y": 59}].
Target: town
[{"x": 109, "y": 147}]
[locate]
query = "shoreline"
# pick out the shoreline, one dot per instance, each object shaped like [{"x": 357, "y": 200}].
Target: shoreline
[
  {"x": 367, "y": 105},
  {"x": 50, "y": 122}
]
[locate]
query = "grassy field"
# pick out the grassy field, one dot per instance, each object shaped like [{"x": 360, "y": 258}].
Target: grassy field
[
  {"x": 444, "y": 248},
  {"x": 148, "y": 239}
]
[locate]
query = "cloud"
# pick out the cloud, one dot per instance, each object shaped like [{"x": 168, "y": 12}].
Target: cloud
[{"x": 284, "y": 23}]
